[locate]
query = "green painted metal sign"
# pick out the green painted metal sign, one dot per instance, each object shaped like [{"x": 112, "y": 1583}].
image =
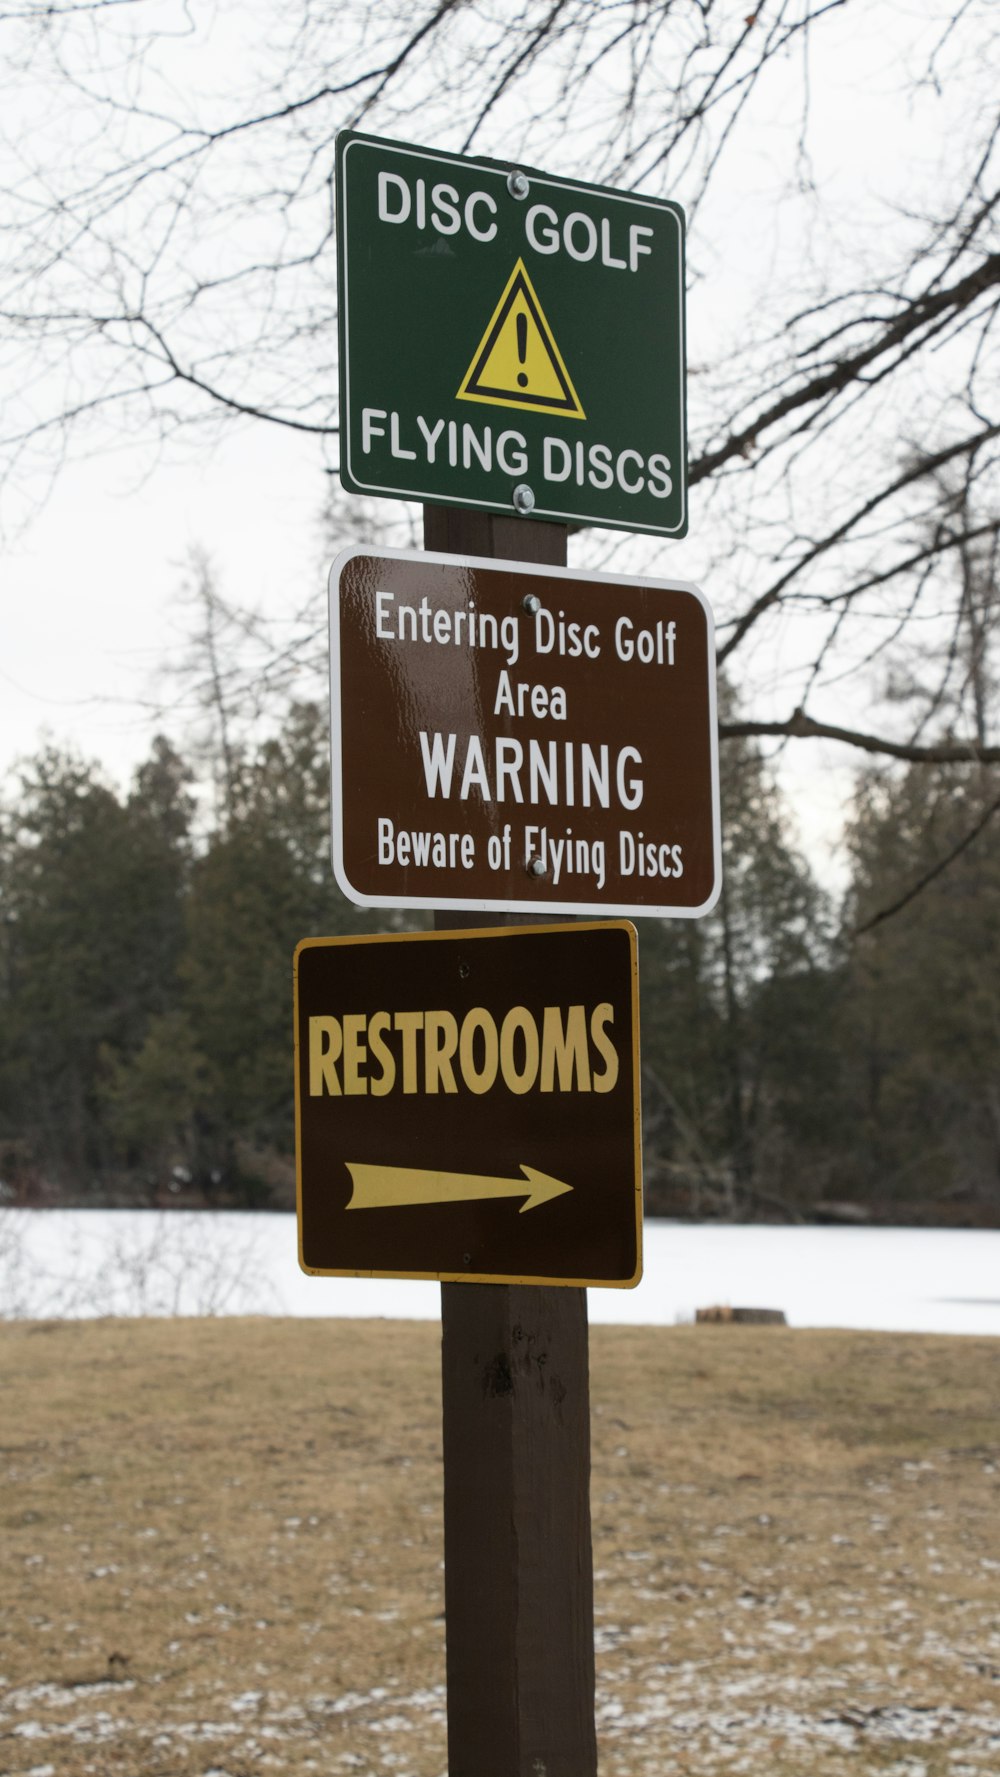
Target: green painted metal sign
[{"x": 508, "y": 340}]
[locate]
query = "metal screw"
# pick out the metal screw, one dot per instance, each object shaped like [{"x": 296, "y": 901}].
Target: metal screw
[
  {"x": 463, "y": 971},
  {"x": 466, "y": 1258},
  {"x": 531, "y": 603},
  {"x": 517, "y": 184},
  {"x": 524, "y": 498},
  {"x": 536, "y": 867}
]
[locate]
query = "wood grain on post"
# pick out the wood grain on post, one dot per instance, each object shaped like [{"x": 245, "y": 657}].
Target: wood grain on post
[{"x": 519, "y": 1593}]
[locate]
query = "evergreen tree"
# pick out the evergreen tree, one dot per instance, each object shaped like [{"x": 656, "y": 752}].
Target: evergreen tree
[
  {"x": 92, "y": 911},
  {"x": 736, "y": 1024},
  {"x": 922, "y": 1016},
  {"x": 263, "y": 882}
]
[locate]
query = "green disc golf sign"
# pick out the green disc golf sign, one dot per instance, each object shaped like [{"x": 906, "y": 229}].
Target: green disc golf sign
[{"x": 509, "y": 341}]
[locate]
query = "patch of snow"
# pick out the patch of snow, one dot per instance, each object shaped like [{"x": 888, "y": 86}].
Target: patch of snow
[{"x": 73, "y": 1264}]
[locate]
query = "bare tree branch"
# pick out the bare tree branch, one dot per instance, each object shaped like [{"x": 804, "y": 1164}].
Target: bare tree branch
[
  {"x": 930, "y": 875},
  {"x": 166, "y": 263},
  {"x": 802, "y": 727}
]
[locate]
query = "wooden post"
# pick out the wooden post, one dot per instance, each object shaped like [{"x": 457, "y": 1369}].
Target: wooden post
[{"x": 519, "y": 1592}]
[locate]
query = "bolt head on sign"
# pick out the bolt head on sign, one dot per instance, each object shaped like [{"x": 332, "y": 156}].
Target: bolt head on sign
[
  {"x": 467, "y": 1105},
  {"x": 506, "y": 736},
  {"x": 509, "y": 340}
]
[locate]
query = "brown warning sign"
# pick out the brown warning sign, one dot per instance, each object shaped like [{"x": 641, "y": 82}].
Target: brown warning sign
[
  {"x": 467, "y": 1106},
  {"x": 505, "y": 736}
]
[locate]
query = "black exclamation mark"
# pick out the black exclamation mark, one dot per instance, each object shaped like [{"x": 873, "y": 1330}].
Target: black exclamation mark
[{"x": 521, "y": 322}]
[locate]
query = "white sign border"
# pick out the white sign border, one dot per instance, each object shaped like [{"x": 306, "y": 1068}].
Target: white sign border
[{"x": 597, "y": 909}]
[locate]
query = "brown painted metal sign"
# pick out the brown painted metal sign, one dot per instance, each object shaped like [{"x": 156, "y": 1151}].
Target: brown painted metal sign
[
  {"x": 505, "y": 736},
  {"x": 467, "y": 1105}
]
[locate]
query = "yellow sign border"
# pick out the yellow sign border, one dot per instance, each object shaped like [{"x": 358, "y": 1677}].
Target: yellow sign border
[
  {"x": 466, "y": 935},
  {"x": 522, "y": 403}
]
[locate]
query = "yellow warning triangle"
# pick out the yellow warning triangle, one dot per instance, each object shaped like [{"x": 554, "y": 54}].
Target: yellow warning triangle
[{"x": 517, "y": 362}]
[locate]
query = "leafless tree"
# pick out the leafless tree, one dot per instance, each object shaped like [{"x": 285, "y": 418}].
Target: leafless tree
[{"x": 167, "y": 266}]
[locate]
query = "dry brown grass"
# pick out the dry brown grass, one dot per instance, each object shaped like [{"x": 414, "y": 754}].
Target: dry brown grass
[{"x": 222, "y": 1544}]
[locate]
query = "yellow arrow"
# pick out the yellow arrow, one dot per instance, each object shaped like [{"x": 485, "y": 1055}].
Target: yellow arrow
[{"x": 392, "y": 1187}]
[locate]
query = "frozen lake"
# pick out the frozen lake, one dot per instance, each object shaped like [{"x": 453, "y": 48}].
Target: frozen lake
[{"x": 81, "y": 1263}]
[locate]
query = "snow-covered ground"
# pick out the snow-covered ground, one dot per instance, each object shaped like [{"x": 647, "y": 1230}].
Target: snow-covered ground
[{"x": 72, "y": 1263}]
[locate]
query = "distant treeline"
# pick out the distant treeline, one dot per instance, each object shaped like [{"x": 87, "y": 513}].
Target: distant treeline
[{"x": 798, "y": 1060}]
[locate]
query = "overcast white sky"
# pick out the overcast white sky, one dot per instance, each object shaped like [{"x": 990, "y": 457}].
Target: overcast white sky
[
  {"x": 91, "y": 612},
  {"x": 88, "y": 593}
]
